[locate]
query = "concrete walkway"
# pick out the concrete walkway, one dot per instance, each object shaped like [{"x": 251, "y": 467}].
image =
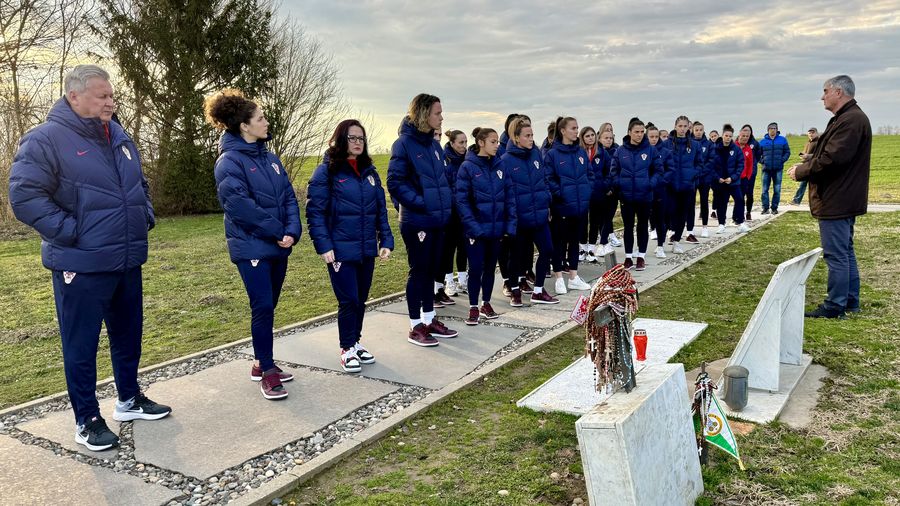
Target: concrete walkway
[{"x": 225, "y": 443}]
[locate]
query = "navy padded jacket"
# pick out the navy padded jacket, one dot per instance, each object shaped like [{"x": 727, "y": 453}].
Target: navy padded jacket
[
  {"x": 727, "y": 161},
  {"x": 570, "y": 179},
  {"x": 706, "y": 149},
  {"x": 83, "y": 192},
  {"x": 687, "y": 163},
  {"x": 600, "y": 165},
  {"x": 484, "y": 198},
  {"x": 417, "y": 179},
  {"x": 258, "y": 198},
  {"x": 527, "y": 176},
  {"x": 636, "y": 171},
  {"x": 346, "y": 213}
]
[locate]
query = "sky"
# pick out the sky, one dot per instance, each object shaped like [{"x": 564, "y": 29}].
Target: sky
[{"x": 600, "y": 61}]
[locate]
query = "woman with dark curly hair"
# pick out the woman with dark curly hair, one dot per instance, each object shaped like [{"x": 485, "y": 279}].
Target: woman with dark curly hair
[
  {"x": 347, "y": 218},
  {"x": 262, "y": 220}
]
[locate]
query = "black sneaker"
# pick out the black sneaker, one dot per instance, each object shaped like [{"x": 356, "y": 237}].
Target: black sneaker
[
  {"x": 139, "y": 408},
  {"x": 764, "y": 212},
  {"x": 823, "y": 312},
  {"x": 774, "y": 211},
  {"x": 95, "y": 435}
]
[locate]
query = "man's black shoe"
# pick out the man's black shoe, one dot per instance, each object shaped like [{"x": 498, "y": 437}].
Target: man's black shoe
[
  {"x": 823, "y": 312},
  {"x": 95, "y": 435}
]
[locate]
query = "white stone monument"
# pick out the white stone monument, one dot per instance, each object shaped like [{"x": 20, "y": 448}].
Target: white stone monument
[
  {"x": 771, "y": 347},
  {"x": 639, "y": 448}
]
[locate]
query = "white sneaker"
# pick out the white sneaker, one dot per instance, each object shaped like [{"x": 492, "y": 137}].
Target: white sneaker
[
  {"x": 653, "y": 235},
  {"x": 462, "y": 282},
  {"x": 577, "y": 283},
  {"x": 743, "y": 228},
  {"x": 660, "y": 253},
  {"x": 450, "y": 288},
  {"x": 677, "y": 249},
  {"x": 721, "y": 229},
  {"x": 614, "y": 240},
  {"x": 560, "y": 286},
  {"x": 704, "y": 232},
  {"x": 581, "y": 256},
  {"x": 590, "y": 257}
]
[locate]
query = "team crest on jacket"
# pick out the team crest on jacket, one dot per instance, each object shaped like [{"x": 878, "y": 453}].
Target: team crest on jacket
[
  {"x": 421, "y": 236},
  {"x": 644, "y": 156},
  {"x": 704, "y": 149},
  {"x": 336, "y": 265},
  {"x": 126, "y": 152},
  {"x": 500, "y": 174},
  {"x": 436, "y": 155},
  {"x": 537, "y": 164},
  {"x": 68, "y": 276},
  {"x": 277, "y": 170},
  {"x": 581, "y": 160},
  {"x": 689, "y": 150},
  {"x": 254, "y": 263},
  {"x": 471, "y": 241},
  {"x": 371, "y": 180},
  {"x": 596, "y": 160},
  {"x": 731, "y": 153}
]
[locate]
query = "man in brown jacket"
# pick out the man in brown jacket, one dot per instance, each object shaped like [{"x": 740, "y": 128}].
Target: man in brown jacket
[
  {"x": 838, "y": 176},
  {"x": 813, "y": 135}
]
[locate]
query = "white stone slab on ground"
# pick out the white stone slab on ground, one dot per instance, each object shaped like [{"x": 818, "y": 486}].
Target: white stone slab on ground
[
  {"x": 764, "y": 406},
  {"x": 638, "y": 448},
  {"x": 219, "y": 418},
  {"x": 571, "y": 390},
  {"x": 384, "y": 334},
  {"x": 32, "y": 475},
  {"x": 59, "y": 427}
]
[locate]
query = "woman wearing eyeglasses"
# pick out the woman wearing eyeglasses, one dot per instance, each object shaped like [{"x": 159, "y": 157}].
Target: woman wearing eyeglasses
[{"x": 346, "y": 214}]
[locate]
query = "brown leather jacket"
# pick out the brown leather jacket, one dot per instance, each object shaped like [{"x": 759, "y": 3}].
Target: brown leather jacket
[{"x": 838, "y": 172}]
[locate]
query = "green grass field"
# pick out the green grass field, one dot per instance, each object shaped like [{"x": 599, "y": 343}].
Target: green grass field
[{"x": 464, "y": 450}]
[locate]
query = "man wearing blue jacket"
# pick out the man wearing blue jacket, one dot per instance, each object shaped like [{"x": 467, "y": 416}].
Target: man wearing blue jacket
[
  {"x": 77, "y": 180},
  {"x": 775, "y": 152}
]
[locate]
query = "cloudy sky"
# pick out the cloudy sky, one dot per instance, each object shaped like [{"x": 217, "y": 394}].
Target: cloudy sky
[{"x": 608, "y": 61}]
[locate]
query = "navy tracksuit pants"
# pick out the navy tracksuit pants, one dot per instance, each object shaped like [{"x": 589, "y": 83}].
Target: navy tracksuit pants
[
  {"x": 525, "y": 240},
  {"x": 483, "y": 254},
  {"x": 609, "y": 212},
  {"x": 703, "y": 190},
  {"x": 82, "y": 305},
  {"x": 682, "y": 212},
  {"x": 263, "y": 283},
  {"x": 454, "y": 243},
  {"x": 566, "y": 231},
  {"x": 641, "y": 210},
  {"x": 351, "y": 282},
  {"x": 661, "y": 215},
  {"x": 423, "y": 252},
  {"x": 726, "y": 191}
]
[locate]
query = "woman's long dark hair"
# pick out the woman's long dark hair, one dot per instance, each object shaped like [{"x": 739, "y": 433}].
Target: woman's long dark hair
[{"x": 339, "y": 147}]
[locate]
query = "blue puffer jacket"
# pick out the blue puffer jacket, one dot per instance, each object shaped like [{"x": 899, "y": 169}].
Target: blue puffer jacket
[
  {"x": 347, "y": 213},
  {"x": 85, "y": 194},
  {"x": 757, "y": 151},
  {"x": 666, "y": 179},
  {"x": 417, "y": 179},
  {"x": 600, "y": 165},
  {"x": 454, "y": 160},
  {"x": 501, "y": 148},
  {"x": 485, "y": 198},
  {"x": 526, "y": 175},
  {"x": 570, "y": 179},
  {"x": 706, "y": 149},
  {"x": 687, "y": 163},
  {"x": 636, "y": 171},
  {"x": 775, "y": 152},
  {"x": 727, "y": 161},
  {"x": 258, "y": 198}
]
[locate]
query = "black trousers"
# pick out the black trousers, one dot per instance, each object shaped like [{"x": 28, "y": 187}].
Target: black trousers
[
  {"x": 482, "y": 264},
  {"x": 566, "y": 230},
  {"x": 454, "y": 244},
  {"x": 641, "y": 211},
  {"x": 525, "y": 241},
  {"x": 423, "y": 253},
  {"x": 351, "y": 282}
]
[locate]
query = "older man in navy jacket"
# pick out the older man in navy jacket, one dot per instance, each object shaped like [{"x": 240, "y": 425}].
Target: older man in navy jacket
[{"x": 77, "y": 180}]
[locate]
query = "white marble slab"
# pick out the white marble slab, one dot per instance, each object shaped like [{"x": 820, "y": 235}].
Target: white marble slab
[
  {"x": 638, "y": 448},
  {"x": 764, "y": 406},
  {"x": 571, "y": 391}
]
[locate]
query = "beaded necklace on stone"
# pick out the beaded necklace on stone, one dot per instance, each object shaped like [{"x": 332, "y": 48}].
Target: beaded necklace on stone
[
  {"x": 703, "y": 392},
  {"x": 609, "y": 346}
]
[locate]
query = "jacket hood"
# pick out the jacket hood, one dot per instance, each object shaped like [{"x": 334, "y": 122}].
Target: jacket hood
[
  {"x": 702, "y": 138},
  {"x": 452, "y": 155},
  {"x": 514, "y": 149},
  {"x": 230, "y": 142},
  {"x": 484, "y": 163},
  {"x": 626, "y": 143},
  {"x": 410, "y": 130},
  {"x": 61, "y": 112},
  {"x": 565, "y": 148}
]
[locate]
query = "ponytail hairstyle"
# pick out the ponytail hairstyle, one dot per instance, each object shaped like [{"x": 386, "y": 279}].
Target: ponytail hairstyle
[
  {"x": 228, "y": 109},
  {"x": 480, "y": 134},
  {"x": 633, "y": 122},
  {"x": 419, "y": 109},
  {"x": 560, "y": 125},
  {"x": 452, "y": 135},
  {"x": 339, "y": 147},
  {"x": 551, "y": 133},
  {"x": 650, "y": 126},
  {"x": 515, "y": 128},
  {"x": 509, "y": 120},
  {"x": 584, "y": 132}
]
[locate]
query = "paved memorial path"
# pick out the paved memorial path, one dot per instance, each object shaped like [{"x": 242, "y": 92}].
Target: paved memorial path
[{"x": 224, "y": 442}]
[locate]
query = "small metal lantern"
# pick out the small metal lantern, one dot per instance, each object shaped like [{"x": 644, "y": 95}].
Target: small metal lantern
[{"x": 735, "y": 386}]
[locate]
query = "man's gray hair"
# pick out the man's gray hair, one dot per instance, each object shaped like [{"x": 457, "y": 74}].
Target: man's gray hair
[
  {"x": 843, "y": 83},
  {"x": 77, "y": 78}
]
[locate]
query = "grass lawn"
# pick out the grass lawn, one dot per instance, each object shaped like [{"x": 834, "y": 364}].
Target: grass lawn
[
  {"x": 466, "y": 449},
  {"x": 193, "y": 300}
]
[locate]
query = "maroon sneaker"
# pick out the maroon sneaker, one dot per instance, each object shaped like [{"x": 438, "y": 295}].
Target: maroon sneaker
[
  {"x": 529, "y": 276},
  {"x": 419, "y": 336},
  {"x": 525, "y": 287},
  {"x": 271, "y": 386},
  {"x": 640, "y": 264},
  {"x": 628, "y": 264},
  {"x": 436, "y": 328},
  {"x": 543, "y": 298},
  {"x": 437, "y": 302},
  {"x": 507, "y": 291},
  {"x": 748, "y": 216},
  {"x": 474, "y": 316},
  {"x": 692, "y": 239},
  {"x": 515, "y": 300},
  {"x": 488, "y": 311},
  {"x": 256, "y": 374},
  {"x": 442, "y": 296}
]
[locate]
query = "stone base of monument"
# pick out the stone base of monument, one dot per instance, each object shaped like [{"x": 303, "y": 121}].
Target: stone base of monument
[
  {"x": 639, "y": 448},
  {"x": 764, "y": 406}
]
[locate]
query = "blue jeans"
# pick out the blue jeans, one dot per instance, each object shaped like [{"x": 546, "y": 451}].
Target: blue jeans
[
  {"x": 775, "y": 179},
  {"x": 843, "y": 273},
  {"x": 798, "y": 197}
]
